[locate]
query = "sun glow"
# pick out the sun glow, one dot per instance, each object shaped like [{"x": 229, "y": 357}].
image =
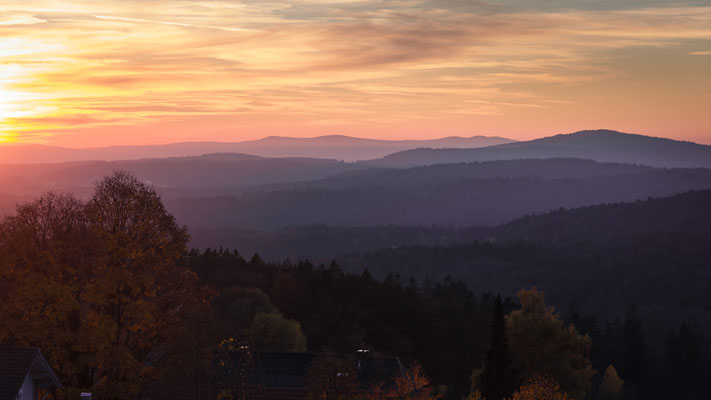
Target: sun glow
[
  {"x": 14, "y": 104},
  {"x": 8, "y": 110},
  {"x": 81, "y": 73}
]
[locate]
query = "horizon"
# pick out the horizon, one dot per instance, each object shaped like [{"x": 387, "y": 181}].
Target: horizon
[
  {"x": 265, "y": 138},
  {"x": 242, "y": 199},
  {"x": 82, "y": 74}
]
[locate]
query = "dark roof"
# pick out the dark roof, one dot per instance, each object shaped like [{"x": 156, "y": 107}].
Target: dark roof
[
  {"x": 282, "y": 370},
  {"x": 289, "y": 369},
  {"x": 16, "y": 364},
  {"x": 376, "y": 370}
]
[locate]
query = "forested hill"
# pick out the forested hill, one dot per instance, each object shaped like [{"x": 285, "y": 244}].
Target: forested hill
[
  {"x": 599, "y": 145},
  {"x": 655, "y": 254},
  {"x": 683, "y": 214},
  {"x": 552, "y": 168},
  {"x": 218, "y": 173},
  {"x": 455, "y": 195}
]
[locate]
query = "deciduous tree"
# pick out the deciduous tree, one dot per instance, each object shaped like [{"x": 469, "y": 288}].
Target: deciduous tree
[
  {"x": 611, "y": 385},
  {"x": 542, "y": 346},
  {"x": 539, "y": 387},
  {"x": 99, "y": 287}
]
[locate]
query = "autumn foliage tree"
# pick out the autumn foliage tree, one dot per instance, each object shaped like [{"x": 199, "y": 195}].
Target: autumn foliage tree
[
  {"x": 543, "y": 346},
  {"x": 540, "y": 387},
  {"x": 414, "y": 385},
  {"x": 100, "y": 288},
  {"x": 332, "y": 377},
  {"x": 611, "y": 385}
]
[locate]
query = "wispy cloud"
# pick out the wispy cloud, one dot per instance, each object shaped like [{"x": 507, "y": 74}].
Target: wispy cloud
[
  {"x": 239, "y": 69},
  {"x": 148, "y": 21}
]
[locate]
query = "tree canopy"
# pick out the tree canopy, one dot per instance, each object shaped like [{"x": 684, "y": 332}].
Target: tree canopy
[
  {"x": 99, "y": 286},
  {"x": 543, "y": 346}
]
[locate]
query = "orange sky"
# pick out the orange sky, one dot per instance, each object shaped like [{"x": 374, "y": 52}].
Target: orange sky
[{"x": 96, "y": 73}]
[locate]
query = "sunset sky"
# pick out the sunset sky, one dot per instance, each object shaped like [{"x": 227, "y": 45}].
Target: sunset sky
[{"x": 98, "y": 73}]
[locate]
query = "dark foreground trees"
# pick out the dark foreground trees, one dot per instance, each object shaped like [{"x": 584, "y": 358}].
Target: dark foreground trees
[
  {"x": 497, "y": 379},
  {"x": 101, "y": 289},
  {"x": 544, "y": 347}
]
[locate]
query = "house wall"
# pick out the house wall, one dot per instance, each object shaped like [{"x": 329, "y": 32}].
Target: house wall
[{"x": 27, "y": 392}]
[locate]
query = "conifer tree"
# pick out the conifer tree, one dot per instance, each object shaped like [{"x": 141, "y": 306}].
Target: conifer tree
[
  {"x": 634, "y": 362},
  {"x": 498, "y": 378}
]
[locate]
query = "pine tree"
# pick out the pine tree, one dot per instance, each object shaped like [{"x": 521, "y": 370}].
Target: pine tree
[
  {"x": 498, "y": 379},
  {"x": 634, "y": 362}
]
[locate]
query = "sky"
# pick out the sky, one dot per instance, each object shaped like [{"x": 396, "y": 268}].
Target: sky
[{"x": 89, "y": 73}]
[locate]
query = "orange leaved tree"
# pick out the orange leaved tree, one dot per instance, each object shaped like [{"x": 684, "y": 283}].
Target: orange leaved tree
[{"x": 100, "y": 288}]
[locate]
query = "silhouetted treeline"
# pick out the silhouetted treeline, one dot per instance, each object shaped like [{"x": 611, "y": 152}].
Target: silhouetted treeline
[
  {"x": 655, "y": 254},
  {"x": 323, "y": 242},
  {"x": 446, "y": 327},
  {"x": 684, "y": 214},
  {"x": 442, "y": 325},
  {"x": 109, "y": 291}
]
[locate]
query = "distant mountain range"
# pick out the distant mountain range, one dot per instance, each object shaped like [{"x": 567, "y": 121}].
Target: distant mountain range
[
  {"x": 601, "y": 224},
  {"x": 598, "y": 145},
  {"x": 445, "y": 195},
  {"x": 335, "y": 147},
  {"x": 240, "y": 191},
  {"x": 210, "y": 174}
]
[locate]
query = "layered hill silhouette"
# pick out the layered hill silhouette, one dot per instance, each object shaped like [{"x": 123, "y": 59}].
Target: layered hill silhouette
[
  {"x": 445, "y": 195},
  {"x": 329, "y": 147},
  {"x": 553, "y": 168},
  {"x": 686, "y": 213},
  {"x": 653, "y": 254},
  {"x": 203, "y": 175},
  {"x": 598, "y": 145}
]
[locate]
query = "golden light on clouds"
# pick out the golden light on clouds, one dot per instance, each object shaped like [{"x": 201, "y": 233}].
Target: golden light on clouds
[{"x": 87, "y": 73}]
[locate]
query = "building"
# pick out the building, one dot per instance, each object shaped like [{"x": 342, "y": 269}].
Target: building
[
  {"x": 25, "y": 375},
  {"x": 283, "y": 375}
]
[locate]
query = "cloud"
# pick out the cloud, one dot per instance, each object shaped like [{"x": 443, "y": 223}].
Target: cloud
[
  {"x": 7, "y": 20},
  {"x": 371, "y": 64},
  {"x": 223, "y": 28}
]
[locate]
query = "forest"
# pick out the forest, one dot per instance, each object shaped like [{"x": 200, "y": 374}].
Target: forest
[{"x": 110, "y": 291}]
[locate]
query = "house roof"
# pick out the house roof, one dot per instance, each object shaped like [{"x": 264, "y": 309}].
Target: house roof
[
  {"x": 282, "y": 370},
  {"x": 16, "y": 364},
  {"x": 290, "y": 369},
  {"x": 375, "y": 370}
]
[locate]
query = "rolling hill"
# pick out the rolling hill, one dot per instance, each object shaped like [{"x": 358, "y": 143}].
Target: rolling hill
[
  {"x": 457, "y": 195},
  {"x": 598, "y": 145},
  {"x": 207, "y": 174},
  {"x": 329, "y": 147},
  {"x": 653, "y": 254}
]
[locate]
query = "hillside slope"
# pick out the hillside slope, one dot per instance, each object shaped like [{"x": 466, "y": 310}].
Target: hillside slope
[
  {"x": 598, "y": 145},
  {"x": 330, "y": 147},
  {"x": 459, "y": 195},
  {"x": 655, "y": 254}
]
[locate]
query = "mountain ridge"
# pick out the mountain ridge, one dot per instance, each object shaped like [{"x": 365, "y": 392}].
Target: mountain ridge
[
  {"x": 600, "y": 145},
  {"x": 340, "y": 147}
]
